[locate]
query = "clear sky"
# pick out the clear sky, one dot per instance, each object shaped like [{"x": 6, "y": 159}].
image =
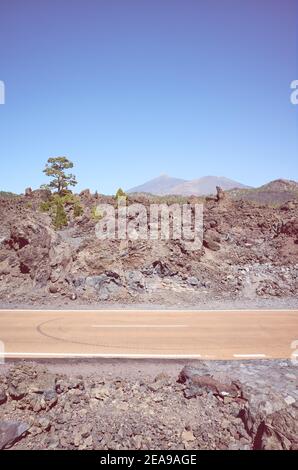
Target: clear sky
[{"x": 130, "y": 89}]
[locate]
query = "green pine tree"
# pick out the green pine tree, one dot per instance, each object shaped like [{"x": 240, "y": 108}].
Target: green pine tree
[{"x": 55, "y": 169}]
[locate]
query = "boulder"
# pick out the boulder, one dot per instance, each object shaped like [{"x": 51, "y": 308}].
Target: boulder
[
  {"x": 11, "y": 431},
  {"x": 211, "y": 240},
  {"x": 193, "y": 281},
  {"x": 31, "y": 241},
  {"x": 60, "y": 260},
  {"x": 290, "y": 228},
  {"x": 198, "y": 384},
  {"x": 162, "y": 269},
  {"x": 220, "y": 194},
  {"x": 258, "y": 407},
  {"x": 3, "y": 396},
  {"x": 209, "y": 243},
  {"x": 85, "y": 193},
  {"x": 135, "y": 281},
  {"x": 105, "y": 284},
  {"x": 279, "y": 431},
  {"x": 28, "y": 191}
]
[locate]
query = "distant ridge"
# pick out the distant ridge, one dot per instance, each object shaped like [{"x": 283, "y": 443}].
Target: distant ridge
[
  {"x": 164, "y": 185},
  {"x": 7, "y": 194}
]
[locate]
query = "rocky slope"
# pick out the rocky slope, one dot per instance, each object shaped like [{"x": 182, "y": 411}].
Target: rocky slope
[
  {"x": 274, "y": 193},
  {"x": 249, "y": 251},
  {"x": 207, "y": 406}
]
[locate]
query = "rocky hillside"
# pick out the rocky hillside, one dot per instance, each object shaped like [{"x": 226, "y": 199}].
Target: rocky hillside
[
  {"x": 205, "y": 406},
  {"x": 274, "y": 193},
  {"x": 250, "y": 251}
]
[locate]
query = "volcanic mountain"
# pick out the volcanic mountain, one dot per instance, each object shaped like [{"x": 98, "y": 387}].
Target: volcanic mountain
[{"x": 165, "y": 184}]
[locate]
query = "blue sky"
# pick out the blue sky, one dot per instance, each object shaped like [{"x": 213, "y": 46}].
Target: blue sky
[{"x": 130, "y": 89}]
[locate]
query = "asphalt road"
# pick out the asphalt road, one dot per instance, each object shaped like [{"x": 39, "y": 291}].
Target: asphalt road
[{"x": 165, "y": 334}]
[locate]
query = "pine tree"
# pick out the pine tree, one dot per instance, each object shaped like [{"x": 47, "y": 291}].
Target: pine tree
[{"x": 55, "y": 169}]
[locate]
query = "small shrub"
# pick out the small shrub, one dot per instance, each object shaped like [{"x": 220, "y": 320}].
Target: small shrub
[
  {"x": 95, "y": 213},
  {"x": 120, "y": 193},
  {"x": 45, "y": 206},
  {"x": 77, "y": 209},
  {"x": 67, "y": 198},
  {"x": 60, "y": 219}
]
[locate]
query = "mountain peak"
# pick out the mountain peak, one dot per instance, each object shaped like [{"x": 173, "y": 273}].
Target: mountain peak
[
  {"x": 164, "y": 175},
  {"x": 160, "y": 185}
]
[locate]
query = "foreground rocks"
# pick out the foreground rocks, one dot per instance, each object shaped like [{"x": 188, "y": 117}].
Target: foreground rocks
[{"x": 223, "y": 405}]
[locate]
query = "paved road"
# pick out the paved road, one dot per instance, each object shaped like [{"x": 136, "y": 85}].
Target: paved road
[{"x": 155, "y": 333}]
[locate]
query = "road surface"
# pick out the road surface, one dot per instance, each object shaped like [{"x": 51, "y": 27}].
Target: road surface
[{"x": 168, "y": 334}]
